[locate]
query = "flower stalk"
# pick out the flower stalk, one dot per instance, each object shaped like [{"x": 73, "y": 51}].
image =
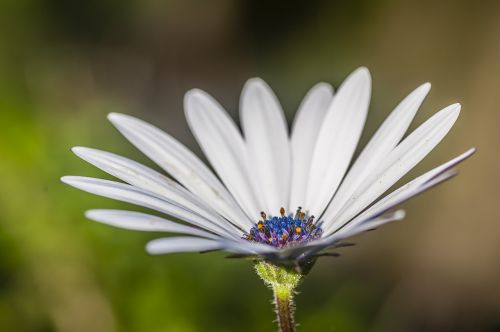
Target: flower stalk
[
  {"x": 285, "y": 308},
  {"x": 282, "y": 281}
]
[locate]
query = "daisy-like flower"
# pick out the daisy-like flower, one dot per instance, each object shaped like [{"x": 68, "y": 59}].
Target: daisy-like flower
[{"x": 280, "y": 198}]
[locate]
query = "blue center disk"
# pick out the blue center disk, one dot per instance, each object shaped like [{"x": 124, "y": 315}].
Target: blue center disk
[{"x": 285, "y": 230}]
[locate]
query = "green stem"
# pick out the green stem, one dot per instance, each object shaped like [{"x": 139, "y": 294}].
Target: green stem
[
  {"x": 285, "y": 309},
  {"x": 283, "y": 282}
]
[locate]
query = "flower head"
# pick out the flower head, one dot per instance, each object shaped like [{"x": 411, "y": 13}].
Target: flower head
[
  {"x": 263, "y": 172},
  {"x": 285, "y": 230}
]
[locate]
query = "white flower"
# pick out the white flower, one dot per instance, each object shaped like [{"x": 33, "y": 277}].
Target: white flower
[{"x": 267, "y": 169}]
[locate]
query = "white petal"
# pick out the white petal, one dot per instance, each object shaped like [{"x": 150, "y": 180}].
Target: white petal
[
  {"x": 143, "y": 222},
  {"x": 145, "y": 178},
  {"x": 402, "y": 159},
  {"x": 382, "y": 143},
  {"x": 133, "y": 195},
  {"x": 411, "y": 189},
  {"x": 374, "y": 223},
  {"x": 323, "y": 243},
  {"x": 396, "y": 198},
  {"x": 181, "y": 244},
  {"x": 337, "y": 139},
  {"x": 180, "y": 162},
  {"x": 266, "y": 134},
  {"x": 224, "y": 147},
  {"x": 359, "y": 227},
  {"x": 366, "y": 225},
  {"x": 305, "y": 131},
  {"x": 187, "y": 244}
]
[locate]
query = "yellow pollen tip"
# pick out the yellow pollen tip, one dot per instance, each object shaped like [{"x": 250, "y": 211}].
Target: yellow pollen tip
[
  {"x": 282, "y": 212},
  {"x": 297, "y": 230}
]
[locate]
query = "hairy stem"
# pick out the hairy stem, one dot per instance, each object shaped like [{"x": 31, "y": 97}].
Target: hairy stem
[
  {"x": 285, "y": 308},
  {"x": 283, "y": 282}
]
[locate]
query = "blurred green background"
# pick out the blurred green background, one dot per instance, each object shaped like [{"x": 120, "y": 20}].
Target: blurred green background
[{"x": 65, "y": 64}]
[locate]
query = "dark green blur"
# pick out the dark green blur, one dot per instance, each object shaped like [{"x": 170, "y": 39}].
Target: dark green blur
[{"x": 65, "y": 64}]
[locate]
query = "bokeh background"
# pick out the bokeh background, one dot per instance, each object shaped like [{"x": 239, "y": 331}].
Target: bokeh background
[{"x": 65, "y": 64}]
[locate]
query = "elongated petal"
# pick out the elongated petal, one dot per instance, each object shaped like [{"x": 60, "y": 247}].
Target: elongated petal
[
  {"x": 394, "y": 200},
  {"x": 178, "y": 161},
  {"x": 401, "y": 160},
  {"x": 143, "y": 222},
  {"x": 133, "y": 195},
  {"x": 373, "y": 223},
  {"x": 266, "y": 135},
  {"x": 305, "y": 131},
  {"x": 382, "y": 143},
  {"x": 146, "y": 178},
  {"x": 186, "y": 244},
  {"x": 366, "y": 225},
  {"x": 337, "y": 139},
  {"x": 224, "y": 147},
  {"x": 181, "y": 244},
  {"x": 314, "y": 247},
  {"x": 348, "y": 232},
  {"x": 411, "y": 189}
]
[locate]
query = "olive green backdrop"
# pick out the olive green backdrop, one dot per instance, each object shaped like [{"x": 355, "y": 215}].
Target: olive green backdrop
[{"x": 65, "y": 64}]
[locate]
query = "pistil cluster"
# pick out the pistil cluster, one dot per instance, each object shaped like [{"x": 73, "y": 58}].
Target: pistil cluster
[{"x": 286, "y": 230}]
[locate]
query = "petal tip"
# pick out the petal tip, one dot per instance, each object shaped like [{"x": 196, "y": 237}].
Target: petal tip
[
  {"x": 195, "y": 97},
  {"x": 359, "y": 79},
  {"x": 67, "y": 179},
  {"x": 152, "y": 247},
  {"x": 193, "y": 93},
  {"x": 115, "y": 118},
  {"x": 426, "y": 87},
  {"x": 91, "y": 214},
  {"x": 456, "y": 110},
  {"x": 253, "y": 80},
  {"x": 362, "y": 73},
  {"x": 324, "y": 86},
  {"x": 363, "y": 69},
  {"x": 399, "y": 215},
  {"x": 79, "y": 150},
  {"x": 450, "y": 112},
  {"x": 255, "y": 84}
]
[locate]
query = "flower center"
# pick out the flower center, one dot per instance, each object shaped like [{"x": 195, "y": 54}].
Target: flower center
[{"x": 284, "y": 230}]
